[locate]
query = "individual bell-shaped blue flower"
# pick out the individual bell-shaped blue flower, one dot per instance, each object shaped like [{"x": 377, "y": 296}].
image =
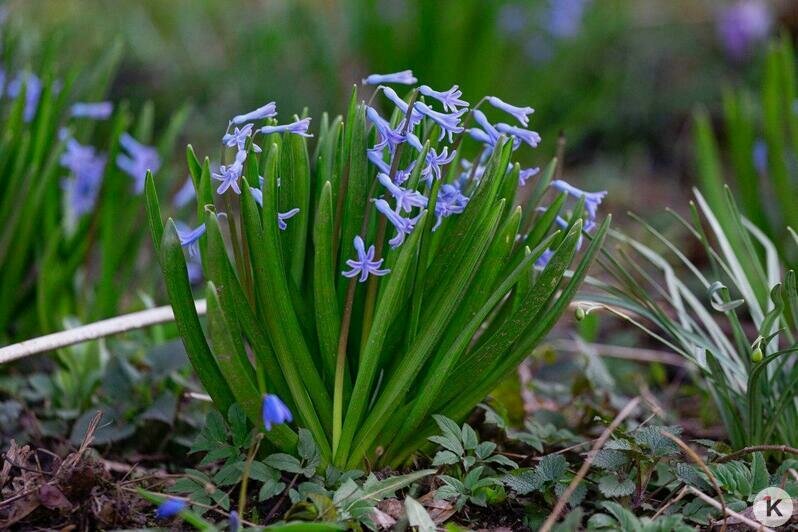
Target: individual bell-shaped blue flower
[
  {"x": 519, "y": 113},
  {"x": 94, "y": 111},
  {"x": 523, "y": 135},
  {"x": 274, "y": 411},
  {"x": 450, "y": 201},
  {"x": 300, "y": 127},
  {"x": 449, "y": 123},
  {"x": 449, "y": 99},
  {"x": 229, "y": 174},
  {"x": 137, "y": 161},
  {"x": 406, "y": 199},
  {"x": 405, "y": 77},
  {"x": 404, "y": 226},
  {"x": 365, "y": 264},
  {"x": 169, "y": 508},
  {"x": 239, "y": 137},
  {"x": 189, "y": 238},
  {"x": 267, "y": 111},
  {"x": 592, "y": 199}
]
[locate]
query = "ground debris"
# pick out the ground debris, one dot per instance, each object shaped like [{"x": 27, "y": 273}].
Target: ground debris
[{"x": 39, "y": 489}]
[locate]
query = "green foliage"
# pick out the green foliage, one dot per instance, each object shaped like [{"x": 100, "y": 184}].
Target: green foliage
[
  {"x": 334, "y": 497},
  {"x": 136, "y": 386},
  {"x": 743, "y": 284},
  {"x": 408, "y": 352},
  {"x": 57, "y": 265},
  {"x": 619, "y": 518},
  {"x": 762, "y": 144},
  {"x": 475, "y": 464}
]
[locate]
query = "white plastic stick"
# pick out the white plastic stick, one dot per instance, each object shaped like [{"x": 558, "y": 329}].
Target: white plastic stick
[{"x": 92, "y": 331}]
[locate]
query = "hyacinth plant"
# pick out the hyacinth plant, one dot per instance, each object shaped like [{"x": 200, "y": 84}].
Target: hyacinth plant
[
  {"x": 71, "y": 183},
  {"x": 385, "y": 279}
]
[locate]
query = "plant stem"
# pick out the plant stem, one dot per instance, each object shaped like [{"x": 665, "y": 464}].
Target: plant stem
[
  {"x": 371, "y": 290},
  {"x": 234, "y": 237},
  {"x": 340, "y": 366},
  {"x": 242, "y": 495}
]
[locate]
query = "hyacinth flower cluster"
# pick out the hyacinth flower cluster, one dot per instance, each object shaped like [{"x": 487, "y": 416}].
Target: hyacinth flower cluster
[{"x": 404, "y": 283}]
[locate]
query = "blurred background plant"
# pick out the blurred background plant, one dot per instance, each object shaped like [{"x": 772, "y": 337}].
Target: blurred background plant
[
  {"x": 735, "y": 320},
  {"x": 71, "y": 179},
  {"x": 760, "y": 159},
  {"x": 619, "y": 77}
]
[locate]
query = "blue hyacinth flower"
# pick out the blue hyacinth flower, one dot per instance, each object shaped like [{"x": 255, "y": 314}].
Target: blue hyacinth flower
[
  {"x": 189, "y": 238},
  {"x": 283, "y": 216},
  {"x": 488, "y": 129},
  {"x": 449, "y": 99},
  {"x": 94, "y": 111},
  {"x": 404, "y": 226},
  {"x": 592, "y": 199},
  {"x": 526, "y": 173},
  {"x": 137, "y": 161},
  {"x": 267, "y": 111},
  {"x": 387, "y": 136},
  {"x": 406, "y": 200},
  {"x": 450, "y": 201},
  {"x": 233, "y": 521},
  {"x": 257, "y": 195},
  {"x": 274, "y": 411},
  {"x": 520, "y": 135},
  {"x": 229, "y": 175},
  {"x": 435, "y": 161},
  {"x": 87, "y": 168},
  {"x": 169, "y": 508},
  {"x": 449, "y": 123},
  {"x": 375, "y": 155},
  {"x": 519, "y": 113},
  {"x": 405, "y": 77},
  {"x": 33, "y": 90},
  {"x": 365, "y": 264},
  {"x": 238, "y": 138},
  {"x": 300, "y": 127}
]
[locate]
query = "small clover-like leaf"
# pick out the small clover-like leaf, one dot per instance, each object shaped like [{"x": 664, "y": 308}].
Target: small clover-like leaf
[
  {"x": 469, "y": 437},
  {"x": 284, "y": 462},
  {"x": 270, "y": 488},
  {"x": 445, "y": 458},
  {"x": 448, "y": 427},
  {"x": 485, "y": 449},
  {"x": 611, "y": 486},
  {"x": 610, "y": 459},
  {"x": 502, "y": 460},
  {"x": 449, "y": 443},
  {"x": 552, "y": 467},
  {"x": 307, "y": 448},
  {"x": 523, "y": 481}
]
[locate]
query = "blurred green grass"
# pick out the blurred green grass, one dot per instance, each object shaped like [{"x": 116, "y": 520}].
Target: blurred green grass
[{"x": 625, "y": 81}]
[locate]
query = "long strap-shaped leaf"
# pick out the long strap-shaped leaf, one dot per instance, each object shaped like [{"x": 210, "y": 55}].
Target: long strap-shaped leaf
[
  {"x": 439, "y": 373},
  {"x": 228, "y": 349},
  {"x": 390, "y": 303},
  {"x": 531, "y": 335},
  {"x": 234, "y": 303},
  {"x": 280, "y": 319},
  {"x": 433, "y": 329},
  {"x": 328, "y": 315},
  {"x": 173, "y": 264}
]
